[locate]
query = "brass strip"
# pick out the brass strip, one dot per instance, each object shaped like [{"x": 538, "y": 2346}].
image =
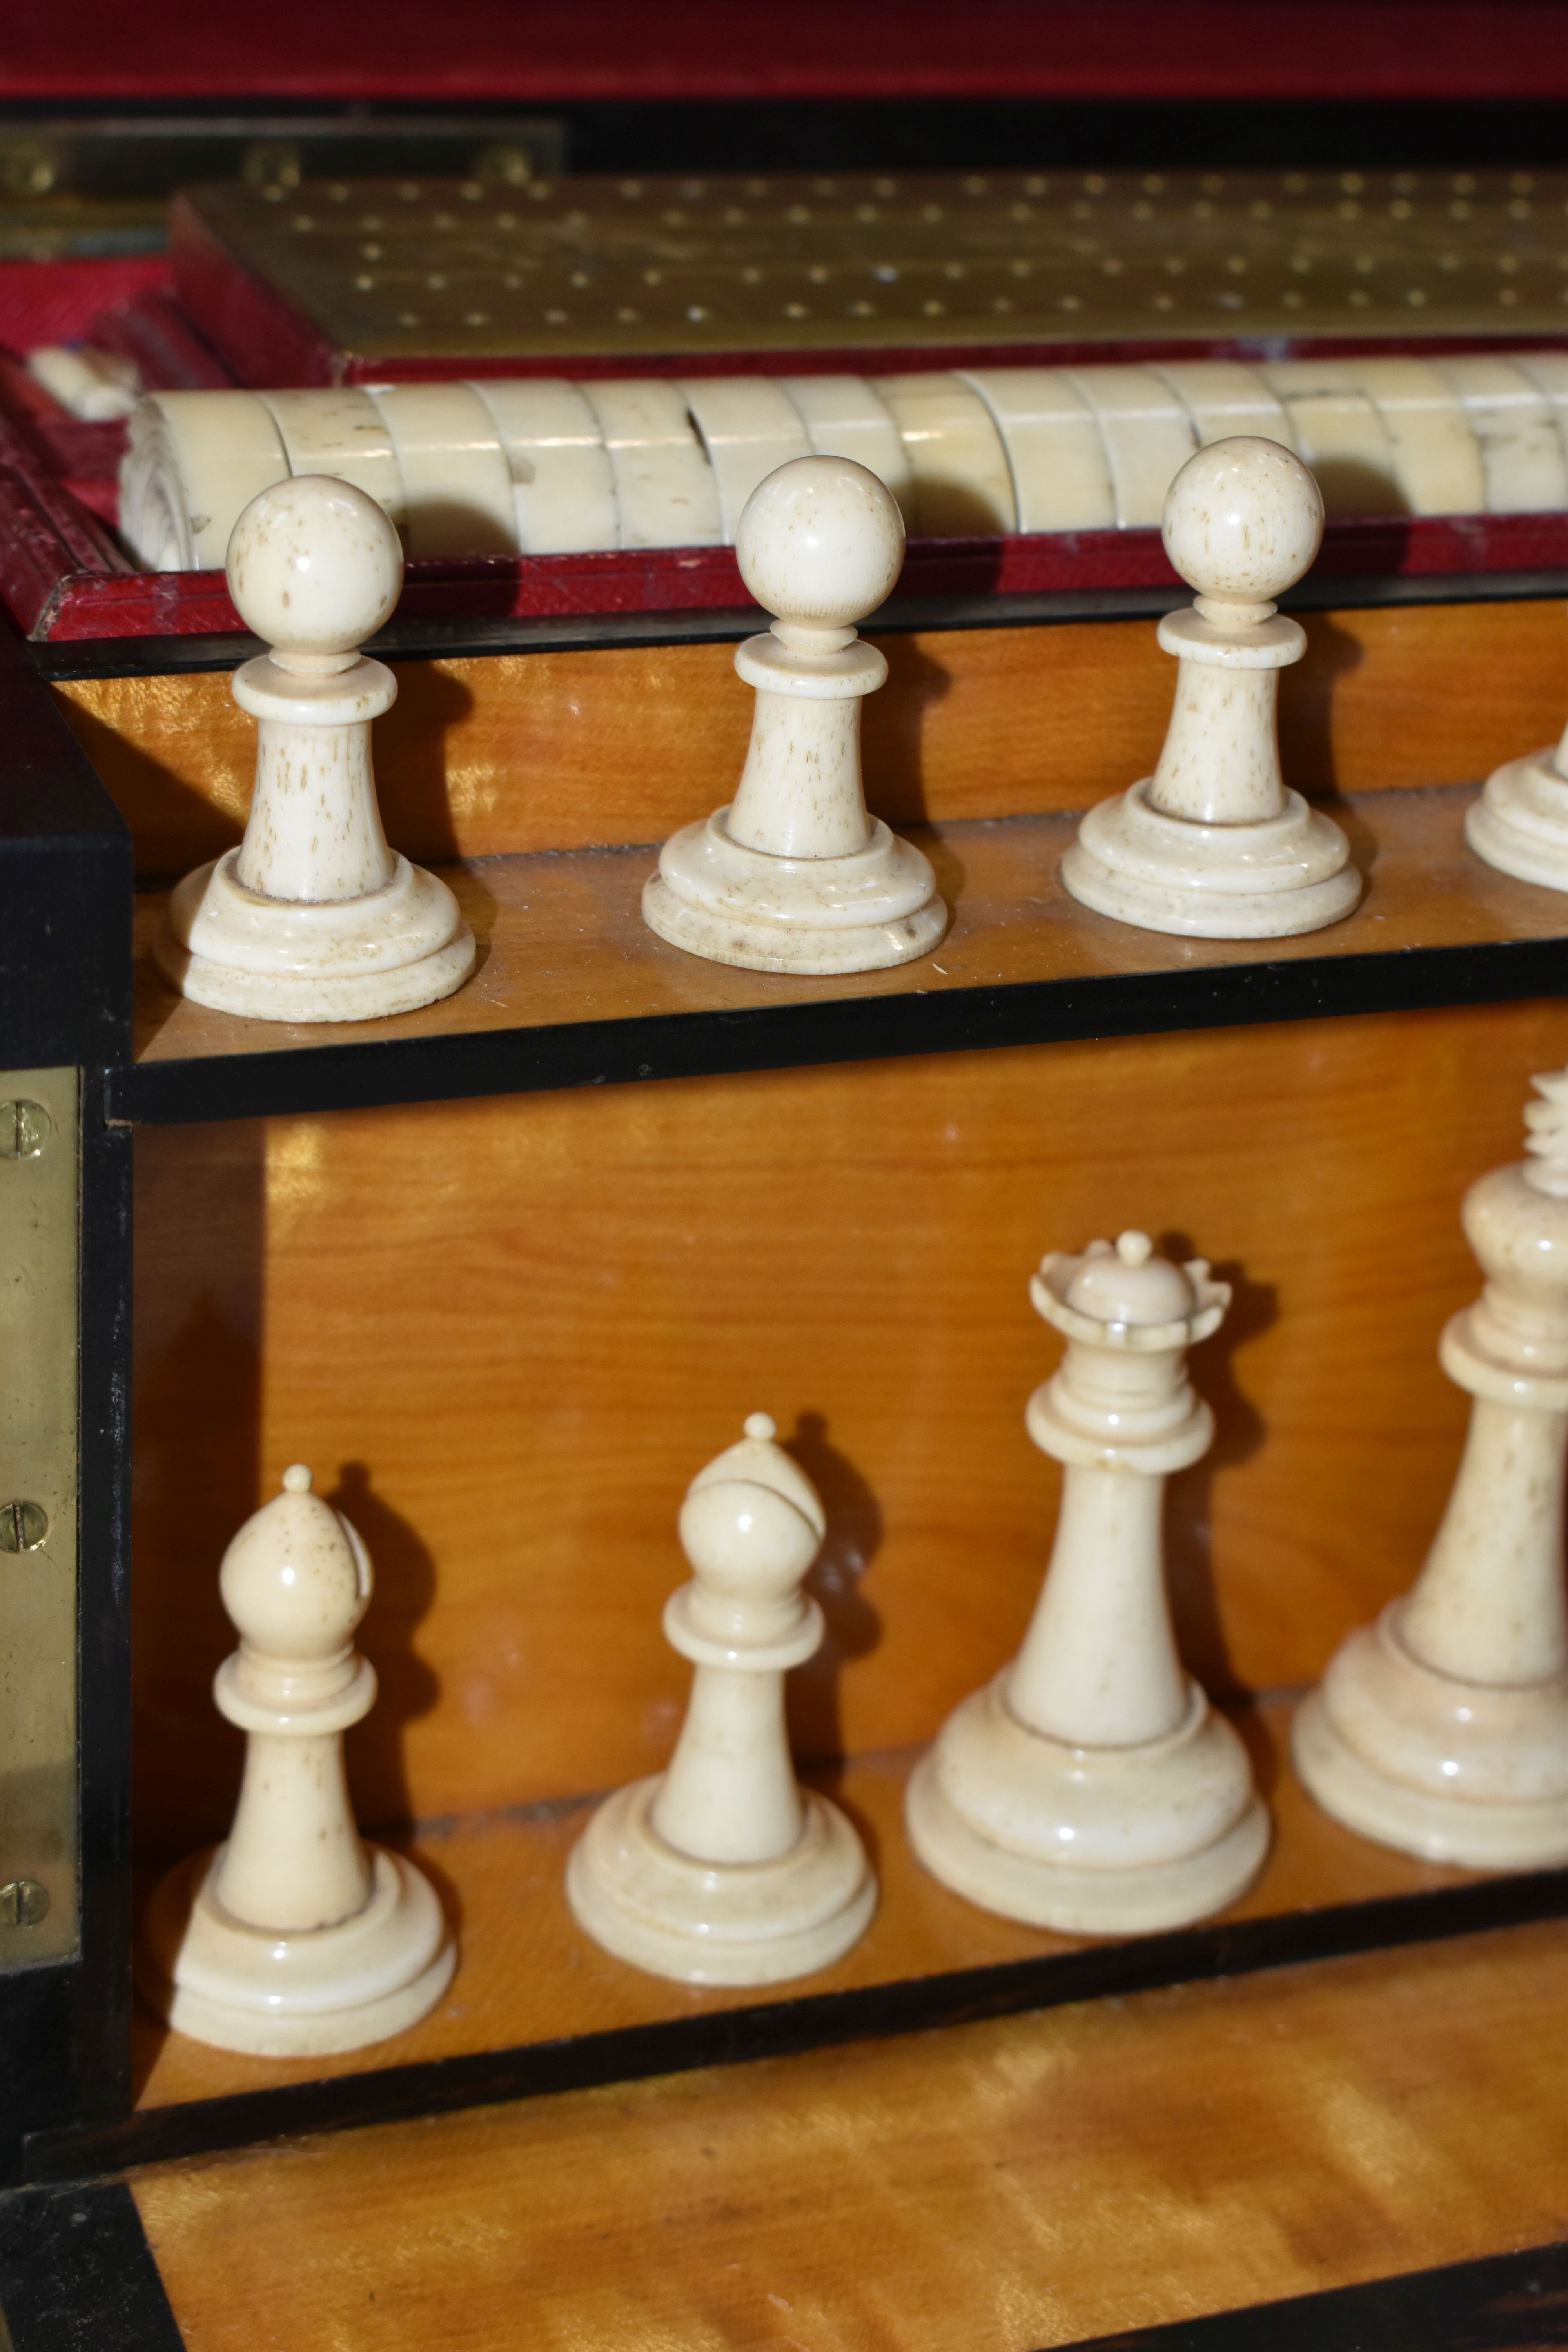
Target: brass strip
[{"x": 39, "y": 1275}]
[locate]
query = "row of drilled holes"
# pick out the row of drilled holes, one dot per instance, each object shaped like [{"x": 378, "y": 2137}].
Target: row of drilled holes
[{"x": 1290, "y": 299}]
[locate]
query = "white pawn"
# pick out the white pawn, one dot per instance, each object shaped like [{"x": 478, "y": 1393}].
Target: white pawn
[
  {"x": 1214, "y": 844},
  {"x": 294, "y": 1938},
  {"x": 1520, "y": 821},
  {"x": 1443, "y": 1728},
  {"x": 794, "y": 875},
  {"x": 723, "y": 1870},
  {"x": 313, "y": 918},
  {"x": 1088, "y": 1787}
]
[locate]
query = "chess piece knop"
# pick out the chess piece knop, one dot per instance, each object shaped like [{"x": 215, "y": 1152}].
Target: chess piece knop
[
  {"x": 794, "y": 875},
  {"x": 1089, "y": 1787},
  {"x": 294, "y": 1938},
  {"x": 723, "y": 1870},
  {"x": 1214, "y": 844},
  {"x": 313, "y": 918},
  {"x": 1442, "y": 1728}
]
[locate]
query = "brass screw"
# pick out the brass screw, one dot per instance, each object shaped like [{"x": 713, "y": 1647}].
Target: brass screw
[
  {"x": 28, "y": 167},
  {"x": 23, "y": 1526},
  {"x": 25, "y": 1129},
  {"x": 24, "y": 1903},
  {"x": 271, "y": 163},
  {"x": 506, "y": 162}
]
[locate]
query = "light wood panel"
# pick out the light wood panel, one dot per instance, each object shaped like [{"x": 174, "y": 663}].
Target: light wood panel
[
  {"x": 560, "y": 751},
  {"x": 528, "y": 1974},
  {"x": 996, "y": 2187},
  {"x": 562, "y": 938},
  {"x": 507, "y": 1332}
]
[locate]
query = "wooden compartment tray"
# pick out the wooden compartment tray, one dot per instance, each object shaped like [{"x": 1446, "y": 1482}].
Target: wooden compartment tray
[{"x": 539, "y": 2010}]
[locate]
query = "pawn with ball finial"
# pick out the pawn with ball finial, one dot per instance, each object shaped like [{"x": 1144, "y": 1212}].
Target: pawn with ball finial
[
  {"x": 723, "y": 1870},
  {"x": 1214, "y": 844},
  {"x": 313, "y": 918},
  {"x": 794, "y": 875},
  {"x": 294, "y": 1938}
]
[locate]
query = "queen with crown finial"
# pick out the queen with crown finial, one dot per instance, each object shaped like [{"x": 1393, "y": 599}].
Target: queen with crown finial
[{"x": 1089, "y": 1787}]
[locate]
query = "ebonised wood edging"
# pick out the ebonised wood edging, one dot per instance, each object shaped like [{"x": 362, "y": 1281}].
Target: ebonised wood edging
[
  {"x": 77, "y": 2273},
  {"x": 450, "y": 1068},
  {"x": 410, "y": 639},
  {"x": 778, "y": 2029},
  {"x": 1499, "y": 2303},
  {"x": 65, "y": 1000}
]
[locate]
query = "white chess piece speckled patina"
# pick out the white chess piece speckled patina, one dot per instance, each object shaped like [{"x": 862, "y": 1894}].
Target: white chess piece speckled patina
[
  {"x": 294, "y": 1938},
  {"x": 1443, "y": 1728},
  {"x": 794, "y": 875},
  {"x": 1213, "y": 844},
  {"x": 313, "y": 918},
  {"x": 1519, "y": 822},
  {"x": 1088, "y": 1787},
  {"x": 723, "y": 1870}
]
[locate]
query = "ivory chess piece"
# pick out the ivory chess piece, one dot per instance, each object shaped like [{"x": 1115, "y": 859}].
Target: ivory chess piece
[
  {"x": 1519, "y": 820},
  {"x": 295, "y": 1938},
  {"x": 313, "y": 918},
  {"x": 1088, "y": 1787},
  {"x": 1442, "y": 1728},
  {"x": 723, "y": 1870},
  {"x": 794, "y": 875},
  {"x": 1214, "y": 844}
]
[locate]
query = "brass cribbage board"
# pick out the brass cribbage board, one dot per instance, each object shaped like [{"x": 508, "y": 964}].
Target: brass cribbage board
[{"x": 640, "y": 265}]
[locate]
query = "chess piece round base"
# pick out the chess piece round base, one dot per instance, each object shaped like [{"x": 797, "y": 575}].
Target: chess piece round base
[
  {"x": 737, "y": 906},
  {"x": 1456, "y": 1772},
  {"x": 1519, "y": 824},
  {"x": 390, "y": 951},
  {"x": 719, "y": 1924},
  {"x": 1164, "y": 1833},
  {"x": 1267, "y": 880},
  {"x": 301, "y": 1994}
]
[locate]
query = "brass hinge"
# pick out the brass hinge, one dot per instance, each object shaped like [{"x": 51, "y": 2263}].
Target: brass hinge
[{"x": 39, "y": 1276}]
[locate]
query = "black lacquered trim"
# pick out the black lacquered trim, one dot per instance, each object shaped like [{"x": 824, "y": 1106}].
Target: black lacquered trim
[
  {"x": 1500, "y": 2303},
  {"x": 66, "y": 880},
  {"x": 412, "y": 639},
  {"x": 918, "y": 1020},
  {"x": 102, "y": 2036},
  {"x": 77, "y": 2273},
  {"x": 806, "y": 2021}
]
